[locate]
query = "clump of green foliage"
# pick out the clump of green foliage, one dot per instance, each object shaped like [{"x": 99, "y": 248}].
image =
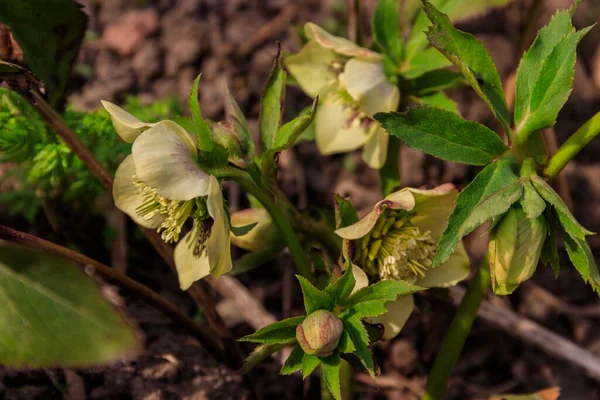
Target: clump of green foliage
[{"x": 47, "y": 168}]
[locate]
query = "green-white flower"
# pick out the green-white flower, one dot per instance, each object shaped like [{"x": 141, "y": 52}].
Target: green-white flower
[
  {"x": 352, "y": 85},
  {"x": 397, "y": 241},
  {"x": 160, "y": 186}
]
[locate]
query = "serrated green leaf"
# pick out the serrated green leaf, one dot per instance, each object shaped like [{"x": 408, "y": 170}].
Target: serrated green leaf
[
  {"x": 566, "y": 219},
  {"x": 242, "y": 230},
  {"x": 492, "y": 178},
  {"x": 330, "y": 368},
  {"x": 271, "y": 105},
  {"x": 444, "y": 134},
  {"x": 360, "y": 339},
  {"x": 549, "y": 254},
  {"x": 435, "y": 81},
  {"x": 52, "y": 314},
  {"x": 551, "y": 88},
  {"x": 293, "y": 362},
  {"x": 385, "y": 291},
  {"x": 583, "y": 259},
  {"x": 532, "y": 202},
  {"x": 346, "y": 346},
  {"x": 366, "y": 309},
  {"x": 340, "y": 290},
  {"x": 309, "y": 363},
  {"x": 314, "y": 299},
  {"x": 424, "y": 62},
  {"x": 473, "y": 60},
  {"x": 389, "y": 174},
  {"x": 345, "y": 214},
  {"x": 259, "y": 354},
  {"x": 280, "y": 332},
  {"x": 50, "y": 33},
  {"x": 438, "y": 100},
  {"x": 205, "y": 142},
  {"x": 288, "y": 134},
  {"x": 386, "y": 28}
]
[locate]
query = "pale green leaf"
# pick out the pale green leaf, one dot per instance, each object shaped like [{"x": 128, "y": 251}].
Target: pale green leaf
[
  {"x": 532, "y": 202},
  {"x": 242, "y": 230},
  {"x": 52, "y": 314},
  {"x": 271, "y": 105},
  {"x": 492, "y": 178},
  {"x": 439, "y": 100},
  {"x": 280, "y": 332},
  {"x": 444, "y": 134}
]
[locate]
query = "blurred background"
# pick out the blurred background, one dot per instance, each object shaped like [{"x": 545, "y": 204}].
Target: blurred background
[{"x": 146, "y": 53}]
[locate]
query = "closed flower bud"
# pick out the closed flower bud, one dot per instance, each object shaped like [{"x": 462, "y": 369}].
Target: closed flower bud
[
  {"x": 320, "y": 333},
  {"x": 263, "y": 236},
  {"x": 225, "y": 134},
  {"x": 515, "y": 247}
]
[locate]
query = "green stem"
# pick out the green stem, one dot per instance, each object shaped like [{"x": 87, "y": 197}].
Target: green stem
[
  {"x": 457, "y": 334},
  {"x": 573, "y": 146},
  {"x": 278, "y": 212}
]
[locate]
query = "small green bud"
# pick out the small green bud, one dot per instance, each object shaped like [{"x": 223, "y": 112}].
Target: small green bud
[
  {"x": 226, "y": 134},
  {"x": 320, "y": 333},
  {"x": 515, "y": 247}
]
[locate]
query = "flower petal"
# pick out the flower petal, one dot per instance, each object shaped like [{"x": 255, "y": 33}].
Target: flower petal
[
  {"x": 219, "y": 242},
  {"x": 375, "y": 151},
  {"x": 454, "y": 270},
  {"x": 338, "y": 44},
  {"x": 191, "y": 267},
  {"x": 433, "y": 207},
  {"x": 396, "y": 316},
  {"x": 337, "y": 128},
  {"x": 126, "y": 198},
  {"x": 127, "y": 126},
  {"x": 381, "y": 98},
  {"x": 311, "y": 67},
  {"x": 165, "y": 158},
  {"x": 360, "y": 278},
  {"x": 402, "y": 199}
]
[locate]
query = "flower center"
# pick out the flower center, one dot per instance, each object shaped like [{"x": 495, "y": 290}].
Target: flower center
[
  {"x": 395, "y": 248},
  {"x": 175, "y": 212}
]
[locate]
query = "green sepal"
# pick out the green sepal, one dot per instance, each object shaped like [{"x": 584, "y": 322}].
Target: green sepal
[
  {"x": 293, "y": 362},
  {"x": 490, "y": 180},
  {"x": 280, "y": 332},
  {"x": 314, "y": 299},
  {"x": 473, "y": 60}
]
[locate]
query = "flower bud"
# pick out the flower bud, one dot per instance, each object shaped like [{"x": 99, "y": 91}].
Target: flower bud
[
  {"x": 264, "y": 235},
  {"x": 320, "y": 333},
  {"x": 226, "y": 134},
  {"x": 515, "y": 247}
]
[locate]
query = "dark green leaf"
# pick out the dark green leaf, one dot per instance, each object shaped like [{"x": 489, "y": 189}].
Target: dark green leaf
[
  {"x": 551, "y": 88},
  {"x": 340, "y": 290},
  {"x": 52, "y": 314},
  {"x": 566, "y": 219},
  {"x": 386, "y": 28},
  {"x": 549, "y": 254},
  {"x": 293, "y": 362},
  {"x": 242, "y": 230},
  {"x": 435, "y": 81},
  {"x": 389, "y": 174},
  {"x": 582, "y": 258},
  {"x": 280, "y": 332},
  {"x": 439, "y": 100},
  {"x": 314, "y": 299},
  {"x": 205, "y": 142},
  {"x": 271, "y": 105},
  {"x": 491, "y": 179},
  {"x": 50, "y": 33},
  {"x": 345, "y": 214},
  {"x": 473, "y": 60},
  {"x": 309, "y": 363},
  {"x": 424, "y": 62},
  {"x": 330, "y": 367},
  {"x": 346, "y": 345},
  {"x": 444, "y": 134},
  {"x": 383, "y": 291},
  {"x": 360, "y": 339},
  {"x": 259, "y": 354}
]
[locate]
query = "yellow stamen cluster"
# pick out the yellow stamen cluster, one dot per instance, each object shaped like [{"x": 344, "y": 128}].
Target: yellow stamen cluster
[
  {"x": 395, "y": 248},
  {"x": 175, "y": 212}
]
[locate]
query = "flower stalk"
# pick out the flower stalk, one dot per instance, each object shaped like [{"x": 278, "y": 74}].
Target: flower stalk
[{"x": 458, "y": 331}]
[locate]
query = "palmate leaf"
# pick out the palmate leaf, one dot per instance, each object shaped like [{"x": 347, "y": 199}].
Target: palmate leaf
[
  {"x": 490, "y": 180},
  {"x": 52, "y": 314},
  {"x": 444, "y": 134},
  {"x": 473, "y": 60},
  {"x": 50, "y": 33},
  {"x": 280, "y": 332}
]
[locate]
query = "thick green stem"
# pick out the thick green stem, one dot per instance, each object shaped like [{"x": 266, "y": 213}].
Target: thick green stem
[
  {"x": 457, "y": 334},
  {"x": 573, "y": 146},
  {"x": 278, "y": 212}
]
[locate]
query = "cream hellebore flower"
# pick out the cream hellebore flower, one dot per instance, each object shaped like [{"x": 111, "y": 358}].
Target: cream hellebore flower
[
  {"x": 397, "y": 240},
  {"x": 160, "y": 185},
  {"x": 352, "y": 85}
]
